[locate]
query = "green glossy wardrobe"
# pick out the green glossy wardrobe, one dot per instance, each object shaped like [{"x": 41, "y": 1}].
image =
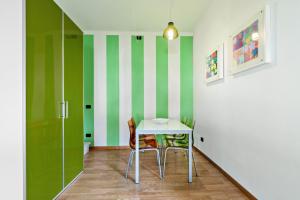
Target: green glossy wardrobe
[{"x": 54, "y": 100}]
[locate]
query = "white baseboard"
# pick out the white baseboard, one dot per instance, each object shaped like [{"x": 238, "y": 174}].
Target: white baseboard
[{"x": 86, "y": 146}]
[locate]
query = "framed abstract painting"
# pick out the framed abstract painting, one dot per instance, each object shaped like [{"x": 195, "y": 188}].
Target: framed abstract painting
[
  {"x": 249, "y": 46},
  {"x": 214, "y": 69}
]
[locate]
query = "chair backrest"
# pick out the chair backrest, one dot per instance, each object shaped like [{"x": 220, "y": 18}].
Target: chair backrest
[
  {"x": 184, "y": 120},
  {"x": 132, "y": 127}
]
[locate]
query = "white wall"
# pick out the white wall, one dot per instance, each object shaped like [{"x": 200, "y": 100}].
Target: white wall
[
  {"x": 11, "y": 99},
  {"x": 250, "y": 122}
]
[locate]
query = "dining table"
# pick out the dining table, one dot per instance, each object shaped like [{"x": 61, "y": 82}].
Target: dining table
[{"x": 158, "y": 127}]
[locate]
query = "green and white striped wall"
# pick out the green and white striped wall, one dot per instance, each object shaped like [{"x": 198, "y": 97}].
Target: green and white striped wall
[{"x": 144, "y": 78}]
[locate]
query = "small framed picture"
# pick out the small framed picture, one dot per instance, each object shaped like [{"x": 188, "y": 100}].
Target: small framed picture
[
  {"x": 250, "y": 45},
  {"x": 214, "y": 69}
]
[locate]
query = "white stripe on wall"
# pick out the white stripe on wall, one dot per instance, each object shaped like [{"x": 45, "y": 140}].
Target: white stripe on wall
[
  {"x": 125, "y": 86},
  {"x": 100, "y": 89},
  {"x": 174, "y": 78},
  {"x": 149, "y": 76}
]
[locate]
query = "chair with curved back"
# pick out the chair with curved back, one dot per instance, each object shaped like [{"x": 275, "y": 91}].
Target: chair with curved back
[
  {"x": 146, "y": 143},
  {"x": 180, "y": 142}
]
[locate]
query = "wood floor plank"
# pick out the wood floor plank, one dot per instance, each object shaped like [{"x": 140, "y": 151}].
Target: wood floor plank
[{"x": 103, "y": 178}]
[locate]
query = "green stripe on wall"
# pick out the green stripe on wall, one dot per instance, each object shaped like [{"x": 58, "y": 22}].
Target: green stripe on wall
[
  {"x": 137, "y": 60},
  {"x": 112, "y": 80},
  {"x": 161, "y": 77},
  {"x": 88, "y": 55},
  {"x": 186, "y": 77}
]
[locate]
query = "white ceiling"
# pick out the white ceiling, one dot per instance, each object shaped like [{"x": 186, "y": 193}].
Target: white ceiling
[{"x": 133, "y": 15}]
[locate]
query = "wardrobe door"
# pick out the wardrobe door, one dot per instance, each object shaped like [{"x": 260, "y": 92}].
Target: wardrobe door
[
  {"x": 73, "y": 95},
  {"x": 43, "y": 99}
]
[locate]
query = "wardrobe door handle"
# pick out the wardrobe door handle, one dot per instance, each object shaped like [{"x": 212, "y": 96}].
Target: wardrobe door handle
[
  {"x": 62, "y": 112},
  {"x": 67, "y": 110}
]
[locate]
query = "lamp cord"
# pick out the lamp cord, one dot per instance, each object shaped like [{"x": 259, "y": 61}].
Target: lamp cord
[{"x": 171, "y": 4}]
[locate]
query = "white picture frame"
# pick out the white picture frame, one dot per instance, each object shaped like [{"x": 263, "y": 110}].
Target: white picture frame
[
  {"x": 249, "y": 46},
  {"x": 214, "y": 68}
]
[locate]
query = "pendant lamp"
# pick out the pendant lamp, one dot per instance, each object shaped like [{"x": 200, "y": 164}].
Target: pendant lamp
[{"x": 170, "y": 32}]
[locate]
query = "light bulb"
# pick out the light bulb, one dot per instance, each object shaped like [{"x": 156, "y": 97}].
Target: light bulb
[{"x": 170, "y": 34}]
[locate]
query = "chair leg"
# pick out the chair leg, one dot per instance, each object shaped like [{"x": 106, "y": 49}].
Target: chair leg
[
  {"x": 161, "y": 148},
  {"x": 165, "y": 159},
  {"x": 161, "y": 153},
  {"x": 158, "y": 162},
  {"x": 194, "y": 164},
  {"x": 129, "y": 163},
  {"x": 131, "y": 160}
]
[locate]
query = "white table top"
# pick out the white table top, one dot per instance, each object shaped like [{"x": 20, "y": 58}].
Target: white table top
[{"x": 171, "y": 127}]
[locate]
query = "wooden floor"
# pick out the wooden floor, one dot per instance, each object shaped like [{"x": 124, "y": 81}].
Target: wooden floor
[{"x": 103, "y": 178}]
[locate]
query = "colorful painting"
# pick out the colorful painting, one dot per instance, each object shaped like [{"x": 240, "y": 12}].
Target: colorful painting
[
  {"x": 250, "y": 44},
  {"x": 246, "y": 44},
  {"x": 212, "y": 65}
]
